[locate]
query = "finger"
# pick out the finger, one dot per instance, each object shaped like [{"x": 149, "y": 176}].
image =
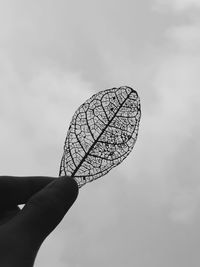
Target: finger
[
  {"x": 45, "y": 210},
  {"x": 17, "y": 190}
]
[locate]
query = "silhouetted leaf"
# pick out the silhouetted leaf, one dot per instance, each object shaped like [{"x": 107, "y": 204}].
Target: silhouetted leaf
[{"x": 102, "y": 133}]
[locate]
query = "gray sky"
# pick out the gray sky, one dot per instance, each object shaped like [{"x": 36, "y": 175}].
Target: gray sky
[{"x": 56, "y": 54}]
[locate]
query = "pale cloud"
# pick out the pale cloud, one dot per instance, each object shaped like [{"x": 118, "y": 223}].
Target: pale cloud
[
  {"x": 52, "y": 97},
  {"x": 185, "y": 38},
  {"x": 185, "y": 205},
  {"x": 177, "y": 84},
  {"x": 177, "y": 5}
]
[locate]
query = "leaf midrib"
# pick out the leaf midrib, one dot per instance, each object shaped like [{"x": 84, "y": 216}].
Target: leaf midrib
[{"x": 94, "y": 143}]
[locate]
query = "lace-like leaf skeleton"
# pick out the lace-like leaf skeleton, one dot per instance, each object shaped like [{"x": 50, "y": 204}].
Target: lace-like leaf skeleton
[{"x": 102, "y": 133}]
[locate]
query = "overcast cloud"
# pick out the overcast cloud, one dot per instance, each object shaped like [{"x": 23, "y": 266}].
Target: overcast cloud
[
  {"x": 56, "y": 54},
  {"x": 178, "y": 5}
]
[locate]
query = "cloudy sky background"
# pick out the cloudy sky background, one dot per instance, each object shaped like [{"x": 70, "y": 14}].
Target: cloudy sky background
[{"x": 56, "y": 54}]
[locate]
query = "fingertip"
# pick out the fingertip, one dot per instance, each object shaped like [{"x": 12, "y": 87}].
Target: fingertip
[
  {"x": 63, "y": 192},
  {"x": 68, "y": 182}
]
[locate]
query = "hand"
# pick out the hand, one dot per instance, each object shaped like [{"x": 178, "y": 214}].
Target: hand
[{"x": 23, "y": 231}]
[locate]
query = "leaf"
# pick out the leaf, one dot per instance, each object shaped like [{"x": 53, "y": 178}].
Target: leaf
[{"x": 102, "y": 133}]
